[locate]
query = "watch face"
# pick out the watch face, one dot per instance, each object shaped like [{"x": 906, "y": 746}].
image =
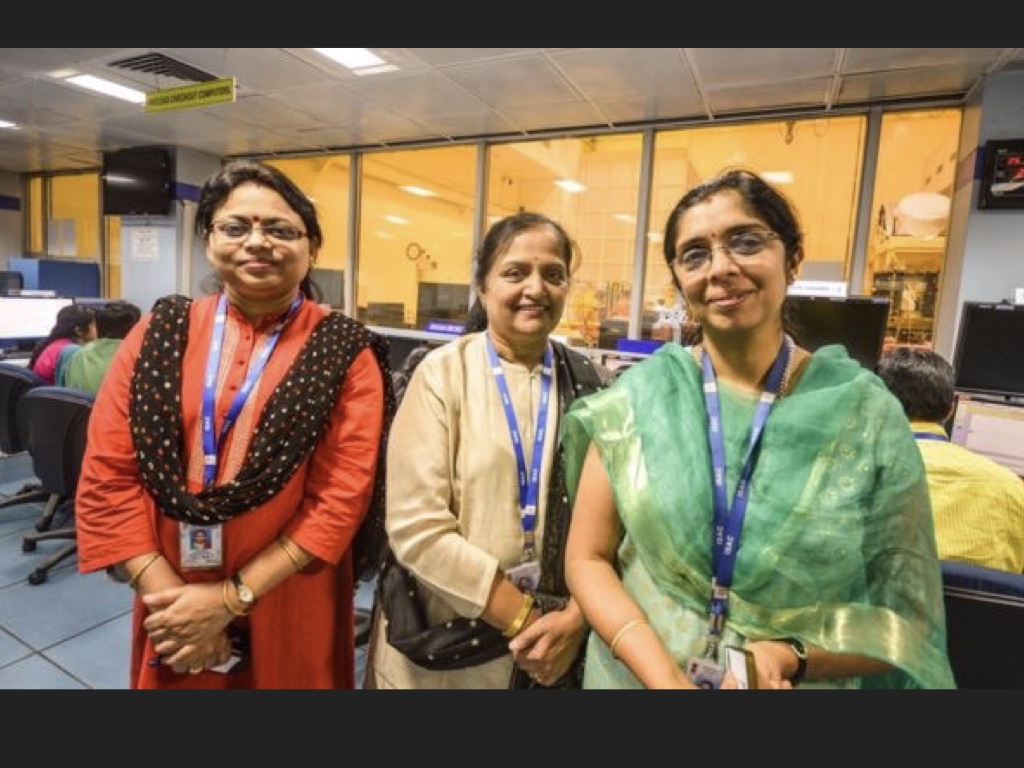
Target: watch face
[{"x": 245, "y": 593}]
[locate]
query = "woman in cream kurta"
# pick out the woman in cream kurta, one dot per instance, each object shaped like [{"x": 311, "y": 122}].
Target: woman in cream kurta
[{"x": 453, "y": 514}]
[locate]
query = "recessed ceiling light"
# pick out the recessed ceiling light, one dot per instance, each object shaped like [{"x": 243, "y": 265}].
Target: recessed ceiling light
[
  {"x": 569, "y": 185},
  {"x": 778, "y": 177},
  {"x": 418, "y": 191},
  {"x": 399, "y": 220},
  {"x": 108, "y": 88},
  {"x": 5, "y": 124},
  {"x": 362, "y": 61}
]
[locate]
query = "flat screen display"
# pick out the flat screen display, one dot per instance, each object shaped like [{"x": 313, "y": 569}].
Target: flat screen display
[
  {"x": 856, "y": 322},
  {"x": 26, "y": 319},
  {"x": 138, "y": 181},
  {"x": 989, "y": 356}
]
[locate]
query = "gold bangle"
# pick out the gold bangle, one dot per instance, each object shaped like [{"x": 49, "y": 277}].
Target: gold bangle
[
  {"x": 134, "y": 580},
  {"x": 227, "y": 603},
  {"x": 614, "y": 644},
  {"x": 291, "y": 555},
  {"x": 516, "y": 625}
]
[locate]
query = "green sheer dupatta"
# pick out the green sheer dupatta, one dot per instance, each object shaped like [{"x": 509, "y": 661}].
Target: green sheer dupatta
[{"x": 837, "y": 546}]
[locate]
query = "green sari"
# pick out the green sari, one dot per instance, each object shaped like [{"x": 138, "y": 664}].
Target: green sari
[{"x": 838, "y": 544}]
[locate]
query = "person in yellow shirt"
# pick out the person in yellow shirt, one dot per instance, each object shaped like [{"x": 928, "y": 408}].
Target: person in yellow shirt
[{"x": 978, "y": 505}]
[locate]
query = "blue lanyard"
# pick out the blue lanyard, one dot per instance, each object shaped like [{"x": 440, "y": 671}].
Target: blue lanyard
[
  {"x": 728, "y": 524},
  {"x": 211, "y": 440},
  {"x": 529, "y": 485}
]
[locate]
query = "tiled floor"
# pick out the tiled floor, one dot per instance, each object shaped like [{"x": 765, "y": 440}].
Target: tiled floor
[{"x": 72, "y": 630}]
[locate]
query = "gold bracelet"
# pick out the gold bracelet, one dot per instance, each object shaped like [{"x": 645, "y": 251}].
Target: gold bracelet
[
  {"x": 291, "y": 555},
  {"x": 614, "y": 644},
  {"x": 227, "y": 603},
  {"x": 134, "y": 580},
  {"x": 516, "y": 625}
]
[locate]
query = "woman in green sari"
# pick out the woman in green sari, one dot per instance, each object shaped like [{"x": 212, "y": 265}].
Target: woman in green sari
[{"x": 742, "y": 491}]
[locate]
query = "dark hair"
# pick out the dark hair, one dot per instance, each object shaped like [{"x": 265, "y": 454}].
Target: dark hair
[
  {"x": 501, "y": 234},
  {"x": 115, "y": 318},
  {"x": 922, "y": 381},
  {"x": 476, "y": 319},
  {"x": 237, "y": 172},
  {"x": 72, "y": 319},
  {"x": 760, "y": 199}
]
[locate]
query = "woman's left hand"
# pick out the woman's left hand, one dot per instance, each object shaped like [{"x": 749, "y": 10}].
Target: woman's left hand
[
  {"x": 546, "y": 648},
  {"x": 189, "y": 615}
]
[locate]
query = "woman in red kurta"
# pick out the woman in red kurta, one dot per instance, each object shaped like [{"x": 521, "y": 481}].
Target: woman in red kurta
[{"x": 284, "y": 579}]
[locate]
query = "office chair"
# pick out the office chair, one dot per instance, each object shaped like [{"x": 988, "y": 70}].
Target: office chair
[
  {"x": 15, "y": 381},
  {"x": 58, "y": 420},
  {"x": 984, "y": 625},
  {"x": 11, "y": 282}
]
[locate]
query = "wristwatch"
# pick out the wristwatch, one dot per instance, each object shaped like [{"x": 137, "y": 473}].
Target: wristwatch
[
  {"x": 245, "y": 594},
  {"x": 800, "y": 650}
]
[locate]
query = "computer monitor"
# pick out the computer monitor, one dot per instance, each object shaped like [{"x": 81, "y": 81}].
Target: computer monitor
[
  {"x": 24, "y": 320},
  {"x": 989, "y": 356},
  {"x": 995, "y": 430},
  {"x": 856, "y": 322}
]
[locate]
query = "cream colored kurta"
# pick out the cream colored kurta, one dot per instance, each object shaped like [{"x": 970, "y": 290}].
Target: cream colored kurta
[{"x": 453, "y": 497}]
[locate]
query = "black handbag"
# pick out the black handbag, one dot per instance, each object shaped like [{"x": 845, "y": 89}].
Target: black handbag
[{"x": 455, "y": 644}]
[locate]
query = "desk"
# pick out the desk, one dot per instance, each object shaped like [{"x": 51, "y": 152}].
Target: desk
[{"x": 22, "y": 361}]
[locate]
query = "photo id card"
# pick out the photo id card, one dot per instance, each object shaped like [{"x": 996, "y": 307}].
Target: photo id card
[
  {"x": 525, "y": 576},
  {"x": 741, "y": 665},
  {"x": 200, "y": 546},
  {"x": 704, "y": 672}
]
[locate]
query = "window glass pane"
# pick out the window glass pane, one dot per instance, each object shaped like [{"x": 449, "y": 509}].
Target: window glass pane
[
  {"x": 36, "y": 211},
  {"x": 816, "y": 162},
  {"x": 325, "y": 179},
  {"x": 590, "y": 186},
  {"x": 910, "y": 217},
  {"x": 72, "y": 228},
  {"x": 416, "y": 236}
]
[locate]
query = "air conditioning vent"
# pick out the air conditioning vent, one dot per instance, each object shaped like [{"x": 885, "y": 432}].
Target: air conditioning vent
[{"x": 159, "y": 64}]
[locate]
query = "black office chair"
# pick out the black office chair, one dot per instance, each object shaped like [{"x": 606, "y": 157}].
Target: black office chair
[
  {"x": 984, "y": 625},
  {"x": 15, "y": 381},
  {"x": 11, "y": 282},
  {"x": 58, "y": 421}
]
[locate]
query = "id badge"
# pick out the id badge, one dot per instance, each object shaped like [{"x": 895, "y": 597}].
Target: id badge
[
  {"x": 525, "y": 576},
  {"x": 704, "y": 672},
  {"x": 200, "y": 546}
]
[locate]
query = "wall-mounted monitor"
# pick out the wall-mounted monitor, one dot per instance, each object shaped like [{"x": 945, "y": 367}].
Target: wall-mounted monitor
[
  {"x": 989, "y": 357},
  {"x": 138, "y": 182},
  {"x": 24, "y": 320},
  {"x": 856, "y": 322}
]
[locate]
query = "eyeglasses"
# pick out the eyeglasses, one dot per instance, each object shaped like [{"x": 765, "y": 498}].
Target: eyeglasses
[
  {"x": 748, "y": 242},
  {"x": 235, "y": 231}
]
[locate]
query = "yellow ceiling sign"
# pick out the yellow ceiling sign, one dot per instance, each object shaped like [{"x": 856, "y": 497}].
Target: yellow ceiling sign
[{"x": 189, "y": 96}]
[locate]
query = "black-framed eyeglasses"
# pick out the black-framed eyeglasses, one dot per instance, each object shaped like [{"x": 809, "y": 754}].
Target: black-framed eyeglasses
[
  {"x": 746, "y": 242},
  {"x": 237, "y": 230}
]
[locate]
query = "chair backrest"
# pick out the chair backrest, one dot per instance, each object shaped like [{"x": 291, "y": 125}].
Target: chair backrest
[
  {"x": 58, "y": 421},
  {"x": 15, "y": 381},
  {"x": 11, "y": 281},
  {"x": 984, "y": 625}
]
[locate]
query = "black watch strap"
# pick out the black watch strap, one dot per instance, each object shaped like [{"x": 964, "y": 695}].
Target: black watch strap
[{"x": 801, "y": 660}]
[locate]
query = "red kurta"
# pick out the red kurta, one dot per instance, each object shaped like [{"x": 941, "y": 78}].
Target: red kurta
[{"x": 301, "y": 632}]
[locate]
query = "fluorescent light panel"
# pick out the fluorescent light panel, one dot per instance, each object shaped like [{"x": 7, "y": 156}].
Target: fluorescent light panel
[
  {"x": 418, "y": 191},
  {"x": 108, "y": 88},
  {"x": 570, "y": 185},
  {"x": 362, "y": 61},
  {"x": 778, "y": 177},
  {"x": 5, "y": 124}
]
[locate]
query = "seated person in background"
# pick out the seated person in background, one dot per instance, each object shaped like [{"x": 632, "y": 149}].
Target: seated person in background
[
  {"x": 76, "y": 324},
  {"x": 978, "y": 505},
  {"x": 85, "y": 367}
]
